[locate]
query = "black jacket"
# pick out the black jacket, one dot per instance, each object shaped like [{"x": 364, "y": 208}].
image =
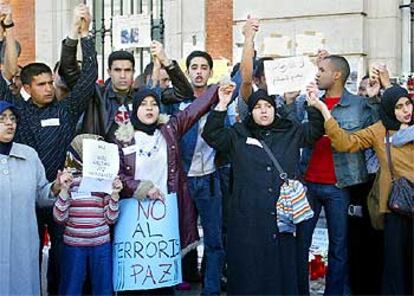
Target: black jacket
[
  {"x": 99, "y": 116},
  {"x": 260, "y": 259}
]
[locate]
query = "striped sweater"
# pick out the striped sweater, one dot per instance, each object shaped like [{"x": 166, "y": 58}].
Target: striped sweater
[{"x": 86, "y": 218}]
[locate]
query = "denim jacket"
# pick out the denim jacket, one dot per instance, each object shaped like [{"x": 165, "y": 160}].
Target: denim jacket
[{"x": 352, "y": 113}]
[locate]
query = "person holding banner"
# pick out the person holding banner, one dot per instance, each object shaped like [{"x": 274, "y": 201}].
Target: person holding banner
[
  {"x": 86, "y": 217},
  {"x": 150, "y": 157},
  {"x": 261, "y": 259}
]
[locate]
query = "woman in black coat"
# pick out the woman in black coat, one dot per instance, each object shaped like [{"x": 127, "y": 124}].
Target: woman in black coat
[{"x": 260, "y": 259}]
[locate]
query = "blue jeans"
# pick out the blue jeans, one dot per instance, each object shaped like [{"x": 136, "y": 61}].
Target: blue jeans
[
  {"x": 206, "y": 194},
  {"x": 75, "y": 263},
  {"x": 335, "y": 202}
]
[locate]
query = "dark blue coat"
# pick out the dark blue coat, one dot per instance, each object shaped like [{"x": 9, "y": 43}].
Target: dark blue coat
[{"x": 260, "y": 259}]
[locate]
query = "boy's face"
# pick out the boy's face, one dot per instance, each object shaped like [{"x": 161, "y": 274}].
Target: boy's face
[
  {"x": 122, "y": 75},
  {"x": 199, "y": 72}
]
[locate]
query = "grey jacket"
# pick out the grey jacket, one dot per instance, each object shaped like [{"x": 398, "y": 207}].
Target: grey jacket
[{"x": 22, "y": 184}]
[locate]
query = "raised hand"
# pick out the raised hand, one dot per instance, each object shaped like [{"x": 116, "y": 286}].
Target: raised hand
[
  {"x": 225, "y": 93},
  {"x": 384, "y": 76},
  {"x": 373, "y": 86},
  {"x": 322, "y": 53},
  {"x": 312, "y": 97},
  {"x": 86, "y": 19},
  {"x": 157, "y": 51},
  {"x": 250, "y": 28},
  {"x": 81, "y": 19},
  {"x": 6, "y": 12}
]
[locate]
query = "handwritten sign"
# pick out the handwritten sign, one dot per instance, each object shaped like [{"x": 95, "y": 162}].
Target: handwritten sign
[
  {"x": 130, "y": 31},
  {"x": 100, "y": 166},
  {"x": 146, "y": 248},
  {"x": 288, "y": 74}
]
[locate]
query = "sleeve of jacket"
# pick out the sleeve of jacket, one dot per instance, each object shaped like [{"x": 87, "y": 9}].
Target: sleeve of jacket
[
  {"x": 216, "y": 134},
  {"x": 111, "y": 209},
  {"x": 182, "y": 88},
  {"x": 76, "y": 102},
  {"x": 371, "y": 110},
  {"x": 343, "y": 141},
  {"x": 185, "y": 119},
  {"x": 314, "y": 128},
  {"x": 6, "y": 94},
  {"x": 44, "y": 194},
  {"x": 61, "y": 209},
  {"x": 69, "y": 69}
]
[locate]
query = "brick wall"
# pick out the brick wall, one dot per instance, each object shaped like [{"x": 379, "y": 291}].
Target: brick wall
[
  {"x": 219, "y": 28},
  {"x": 24, "y": 19}
]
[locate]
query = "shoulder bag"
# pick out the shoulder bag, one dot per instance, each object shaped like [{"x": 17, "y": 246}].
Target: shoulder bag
[{"x": 401, "y": 199}]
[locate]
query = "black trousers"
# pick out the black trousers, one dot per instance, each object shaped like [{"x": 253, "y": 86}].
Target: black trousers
[
  {"x": 365, "y": 246},
  {"x": 398, "y": 255}
]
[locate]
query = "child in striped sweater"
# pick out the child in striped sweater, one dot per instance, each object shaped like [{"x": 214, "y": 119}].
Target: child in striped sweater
[{"x": 86, "y": 216}]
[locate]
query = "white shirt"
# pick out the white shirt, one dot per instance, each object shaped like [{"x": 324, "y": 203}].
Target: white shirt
[{"x": 151, "y": 159}]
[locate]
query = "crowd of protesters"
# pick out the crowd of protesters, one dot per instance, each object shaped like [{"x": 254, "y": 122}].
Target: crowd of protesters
[{"x": 227, "y": 151}]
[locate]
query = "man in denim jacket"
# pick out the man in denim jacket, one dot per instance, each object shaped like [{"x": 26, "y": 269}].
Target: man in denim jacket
[{"x": 329, "y": 173}]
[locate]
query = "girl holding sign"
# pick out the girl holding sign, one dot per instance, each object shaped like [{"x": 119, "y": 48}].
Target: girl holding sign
[
  {"x": 150, "y": 157},
  {"x": 86, "y": 238}
]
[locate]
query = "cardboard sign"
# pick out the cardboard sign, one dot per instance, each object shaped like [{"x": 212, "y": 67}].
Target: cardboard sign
[
  {"x": 309, "y": 43},
  {"x": 131, "y": 31},
  {"x": 288, "y": 74},
  {"x": 146, "y": 247}
]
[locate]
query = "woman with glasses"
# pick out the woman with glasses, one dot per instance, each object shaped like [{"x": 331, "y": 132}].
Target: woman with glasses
[{"x": 22, "y": 185}]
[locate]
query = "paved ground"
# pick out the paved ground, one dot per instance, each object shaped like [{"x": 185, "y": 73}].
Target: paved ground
[{"x": 316, "y": 288}]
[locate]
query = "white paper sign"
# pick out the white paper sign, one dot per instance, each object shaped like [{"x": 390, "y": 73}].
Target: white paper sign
[
  {"x": 100, "y": 166},
  {"x": 288, "y": 74},
  {"x": 276, "y": 46},
  {"x": 130, "y": 31}
]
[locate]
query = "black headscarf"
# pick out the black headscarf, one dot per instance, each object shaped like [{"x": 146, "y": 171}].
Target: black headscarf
[
  {"x": 387, "y": 110},
  {"x": 136, "y": 102},
  {"x": 259, "y": 131},
  {"x": 5, "y": 147}
]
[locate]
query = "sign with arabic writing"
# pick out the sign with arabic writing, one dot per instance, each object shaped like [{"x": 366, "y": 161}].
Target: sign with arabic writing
[{"x": 288, "y": 74}]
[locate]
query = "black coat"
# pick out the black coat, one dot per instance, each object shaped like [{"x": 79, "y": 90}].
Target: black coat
[{"x": 260, "y": 260}]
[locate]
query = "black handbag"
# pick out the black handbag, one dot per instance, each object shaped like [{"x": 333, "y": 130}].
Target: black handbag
[{"x": 401, "y": 199}]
